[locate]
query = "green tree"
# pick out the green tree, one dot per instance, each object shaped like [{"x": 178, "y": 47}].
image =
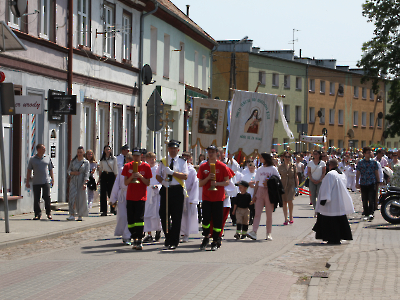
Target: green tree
[{"x": 381, "y": 57}]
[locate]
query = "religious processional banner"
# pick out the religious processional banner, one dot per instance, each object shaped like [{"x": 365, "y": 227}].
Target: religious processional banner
[
  {"x": 313, "y": 139},
  {"x": 209, "y": 122},
  {"x": 252, "y": 122}
]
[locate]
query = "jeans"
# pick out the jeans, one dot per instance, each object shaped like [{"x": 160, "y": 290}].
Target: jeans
[
  {"x": 37, "y": 188},
  {"x": 368, "y": 198},
  {"x": 314, "y": 190}
]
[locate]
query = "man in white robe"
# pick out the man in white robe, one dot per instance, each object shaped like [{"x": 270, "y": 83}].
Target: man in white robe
[
  {"x": 118, "y": 196},
  {"x": 334, "y": 203},
  {"x": 189, "y": 223}
]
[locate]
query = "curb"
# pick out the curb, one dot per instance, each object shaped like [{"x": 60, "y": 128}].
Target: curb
[{"x": 54, "y": 234}]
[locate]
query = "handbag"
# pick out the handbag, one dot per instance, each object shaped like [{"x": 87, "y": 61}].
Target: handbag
[{"x": 91, "y": 184}]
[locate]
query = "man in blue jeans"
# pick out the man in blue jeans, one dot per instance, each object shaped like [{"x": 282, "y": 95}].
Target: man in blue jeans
[{"x": 367, "y": 178}]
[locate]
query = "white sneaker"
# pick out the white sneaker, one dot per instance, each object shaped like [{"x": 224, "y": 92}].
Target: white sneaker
[
  {"x": 71, "y": 218},
  {"x": 252, "y": 235},
  {"x": 269, "y": 237},
  {"x": 79, "y": 219},
  {"x": 185, "y": 239}
]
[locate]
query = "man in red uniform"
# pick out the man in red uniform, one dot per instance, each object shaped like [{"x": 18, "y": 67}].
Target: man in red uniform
[
  {"x": 136, "y": 196},
  {"x": 213, "y": 200}
]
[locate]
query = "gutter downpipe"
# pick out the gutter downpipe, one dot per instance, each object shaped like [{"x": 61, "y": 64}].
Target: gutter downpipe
[
  {"x": 211, "y": 67},
  {"x": 142, "y": 16}
]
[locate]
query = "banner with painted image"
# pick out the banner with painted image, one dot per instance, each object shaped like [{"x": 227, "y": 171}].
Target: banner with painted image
[
  {"x": 252, "y": 122},
  {"x": 208, "y": 122}
]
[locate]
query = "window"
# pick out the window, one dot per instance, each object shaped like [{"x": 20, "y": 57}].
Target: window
[
  {"x": 364, "y": 93},
  {"x": 126, "y": 37},
  {"x": 355, "y": 143},
  {"x": 396, "y": 145},
  {"x": 331, "y": 88},
  {"x": 261, "y": 77},
  {"x": 363, "y": 144},
  {"x": 340, "y": 144},
  {"x": 196, "y": 69},
  {"x": 83, "y": 23},
  {"x": 356, "y": 92},
  {"x": 340, "y": 117},
  {"x": 298, "y": 114},
  {"x": 298, "y": 83},
  {"x": 341, "y": 90},
  {"x": 311, "y": 88},
  {"x": 275, "y": 79},
  {"x": 331, "y": 143},
  {"x": 312, "y": 115},
  {"x": 166, "y": 55},
  {"x": 322, "y": 118},
  {"x": 13, "y": 22},
  {"x": 286, "y": 112},
  {"x": 109, "y": 31},
  {"x": 355, "y": 118},
  {"x": 371, "y": 95},
  {"x": 363, "y": 119},
  {"x": 45, "y": 19},
  {"x": 331, "y": 116},
  {"x": 204, "y": 71},
  {"x": 153, "y": 49},
  {"x": 285, "y": 143},
  {"x": 275, "y": 143},
  {"x": 371, "y": 119},
  {"x": 379, "y": 122},
  {"x": 182, "y": 63},
  {"x": 322, "y": 87},
  {"x": 286, "y": 81},
  {"x": 389, "y": 145}
]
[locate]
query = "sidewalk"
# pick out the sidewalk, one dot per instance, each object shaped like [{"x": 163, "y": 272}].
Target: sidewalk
[{"x": 25, "y": 230}]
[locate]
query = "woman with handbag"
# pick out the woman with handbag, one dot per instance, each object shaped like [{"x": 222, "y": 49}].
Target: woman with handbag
[
  {"x": 108, "y": 169},
  {"x": 92, "y": 185},
  {"x": 290, "y": 181},
  {"x": 316, "y": 172},
  {"x": 78, "y": 171}
]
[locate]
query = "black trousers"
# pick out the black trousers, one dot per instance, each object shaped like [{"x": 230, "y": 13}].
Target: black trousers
[
  {"x": 175, "y": 209},
  {"x": 368, "y": 198},
  {"x": 106, "y": 185},
  {"x": 135, "y": 214},
  {"x": 37, "y": 188},
  {"x": 212, "y": 210}
]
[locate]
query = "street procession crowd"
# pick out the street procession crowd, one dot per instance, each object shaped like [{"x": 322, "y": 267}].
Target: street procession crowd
[{"x": 175, "y": 195}]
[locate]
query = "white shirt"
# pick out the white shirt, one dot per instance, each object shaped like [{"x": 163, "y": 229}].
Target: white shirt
[
  {"x": 233, "y": 165},
  {"x": 120, "y": 161},
  {"x": 250, "y": 177},
  {"x": 265, "y": 173},
  {"x": 316, "y": 170},
  {"x": 109, "y": 165},
  {"x": 180, "y": 166}
]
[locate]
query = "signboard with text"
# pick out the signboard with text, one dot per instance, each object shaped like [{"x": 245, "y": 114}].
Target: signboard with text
[
  {"x": 28, "y": 105},
  {"x": 62, "y": 104}
]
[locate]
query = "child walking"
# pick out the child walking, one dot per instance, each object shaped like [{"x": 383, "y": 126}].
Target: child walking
[{"x": 241, "y": 210}]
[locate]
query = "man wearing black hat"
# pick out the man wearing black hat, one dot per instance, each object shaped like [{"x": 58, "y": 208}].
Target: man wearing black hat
[
  {"x": 121, "y": 158},
  {"x": 171, "y": 173}
]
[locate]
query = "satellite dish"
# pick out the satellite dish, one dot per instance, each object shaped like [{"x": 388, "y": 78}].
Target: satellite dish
[
  {"x": 350, "y": 133},
  {"x": 18, "y": 7},
  {"x": 147, "y": 75},
  {"x": 319, "y": 114},
  {"x": 340, "y": 90},
  {"x": 380, "y": 115}
]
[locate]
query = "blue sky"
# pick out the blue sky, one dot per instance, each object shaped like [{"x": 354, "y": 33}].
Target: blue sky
[{"x": 328, "y": 29}]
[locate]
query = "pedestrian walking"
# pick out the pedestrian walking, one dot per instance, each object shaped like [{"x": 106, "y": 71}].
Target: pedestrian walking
[
  {"x": 316, "y": 172},
  {"x": 78, "y": 172},
  {"x": 42, "y": 168},
  {"x": 108, "y": 169},
  {"x": 92, "y": 184}
]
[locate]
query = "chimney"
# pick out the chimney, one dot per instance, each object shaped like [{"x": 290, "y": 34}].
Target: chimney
[
  {"x": 187, "y": 9},
  {"x": 300, "y": 53}
]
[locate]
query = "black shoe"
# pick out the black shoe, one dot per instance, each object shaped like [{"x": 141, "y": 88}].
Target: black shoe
[
  {"x": 148, "y": 239},
  {"x": 171, "y": 247},
  {"x": 104, "y": 214},
  {"x": 243, "y": 237},
  {"x": 167, "y": 243},
  {"x": 37, "y": 218},
  {"x": 237, "y": 236},
  {"x": 214, "y": 246},
  {"x": 158, "y": 236},
  {"x": 139, "y": 245},
  {"x": 204, "y": 243}
]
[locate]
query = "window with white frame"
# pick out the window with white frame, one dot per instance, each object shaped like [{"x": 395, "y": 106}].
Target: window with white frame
[
  {"x": 355, "y": 91},
  {"x": 286, "y": 112},
  {"x": 182, "y": 63},
  {"x": 311, "y": 87},
  {"x": 45, "y": 19},
  {"x": 261, "y": 77},
  {"x": 13, "y": 22},
  {"x": 371, "y": 95},
  {"x": 389, "y": 145},
  {"x": 379, "y": 122},
  {"x": 153, "y": 49},
  {"x": 331, "y": 88},
  {"x": 196, "y": 69},
  {"x": 322, "y": 87},
  {"x": 275, "y": 79},
  {"x": 311, "y": 115},
  {"x": 340, "y": 117},
  {"x": 298, "y": 83},
  {"x": 167, "y": 43},
  {"x": 109, "y": 30},
  {"x": 286, "y": 81},
  {"x": 355, "y": 118},
  {"x": 298, "y": 114},
  {"x": 363, "y": 119},
  {"x": 83, "y": 23},
  {"x": 204, "y": 72},
  {"x": 322, "y": 118},
  {"x": 126, "y": 37},
  {"x": 364, "y": 93},
  {"x": 371, "y": 119},
  {"x": 331, "y": 116}
]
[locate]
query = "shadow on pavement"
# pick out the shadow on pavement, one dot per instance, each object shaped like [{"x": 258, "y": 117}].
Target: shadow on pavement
[
  {"x": 383, "y": 226},
  {"x": 311, "y": 244}
]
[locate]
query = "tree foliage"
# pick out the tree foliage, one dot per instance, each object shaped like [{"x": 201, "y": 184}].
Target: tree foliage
[{"x": 381, "y": 55}]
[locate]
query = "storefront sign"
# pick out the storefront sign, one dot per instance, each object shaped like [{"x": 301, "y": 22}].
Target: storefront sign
[
  {"x": 62, "y": 104},
  {"x": 28, "y": 105}
]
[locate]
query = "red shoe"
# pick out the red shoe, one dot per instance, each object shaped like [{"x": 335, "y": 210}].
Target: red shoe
[
  {"x": 286, "y": 223},
  {"x": 291, "y": 222}
]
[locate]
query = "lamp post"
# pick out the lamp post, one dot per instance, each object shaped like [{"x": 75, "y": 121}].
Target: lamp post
[{"x": 232, "y": 83}]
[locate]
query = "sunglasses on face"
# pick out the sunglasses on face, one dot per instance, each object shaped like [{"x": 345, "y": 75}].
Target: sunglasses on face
[{"x": 287, "y": 156}]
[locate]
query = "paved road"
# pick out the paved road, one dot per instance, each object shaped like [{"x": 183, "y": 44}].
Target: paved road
[{"x": 93, "y": 264}]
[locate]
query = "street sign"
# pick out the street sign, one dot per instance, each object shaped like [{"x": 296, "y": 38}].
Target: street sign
[
  {"x": 62, "y": 104},
  {"x": 54, "y": 117},
  {"x": 155, "y": 111}
]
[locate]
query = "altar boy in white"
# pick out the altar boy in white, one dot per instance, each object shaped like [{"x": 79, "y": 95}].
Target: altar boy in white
[
  {"x": 189, "y": 223},
  {"x": 152, "y": 206},
  {"x": 118, "y": 195}
]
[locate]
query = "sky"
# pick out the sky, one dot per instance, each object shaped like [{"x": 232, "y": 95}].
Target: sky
[{"x": 328, "y": 29}]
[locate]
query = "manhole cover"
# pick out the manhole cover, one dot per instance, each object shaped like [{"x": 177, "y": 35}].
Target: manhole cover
[{"x": 321, "y": 274}]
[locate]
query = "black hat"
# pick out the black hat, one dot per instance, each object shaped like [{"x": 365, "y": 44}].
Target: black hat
[
  {"x": 143, "y": 151},
  {"x": 212, "y": 147},
  {"x": 242, "y": 182},
  {"x": 136, "y": 151},
  {"x": 173, "y": 144},
  {"x": 125, "y": 147}
]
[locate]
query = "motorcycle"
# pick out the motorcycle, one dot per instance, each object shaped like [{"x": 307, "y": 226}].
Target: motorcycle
[{"x": 390, "y": 204}]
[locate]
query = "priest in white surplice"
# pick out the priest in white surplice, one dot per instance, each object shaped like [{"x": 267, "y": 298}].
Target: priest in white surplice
[{"x": 334, "y": 203}]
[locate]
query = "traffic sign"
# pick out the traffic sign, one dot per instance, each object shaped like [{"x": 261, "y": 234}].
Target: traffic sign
[{"x": 155, "y": 111}]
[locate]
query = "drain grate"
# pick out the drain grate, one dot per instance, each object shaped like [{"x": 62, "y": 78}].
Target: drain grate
[{"x": 321, "y": 274}]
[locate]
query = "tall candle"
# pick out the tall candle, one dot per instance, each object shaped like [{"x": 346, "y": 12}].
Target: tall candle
[
  {"x": 212, "y": 168},
  {"x": 135, "y": 166}
]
